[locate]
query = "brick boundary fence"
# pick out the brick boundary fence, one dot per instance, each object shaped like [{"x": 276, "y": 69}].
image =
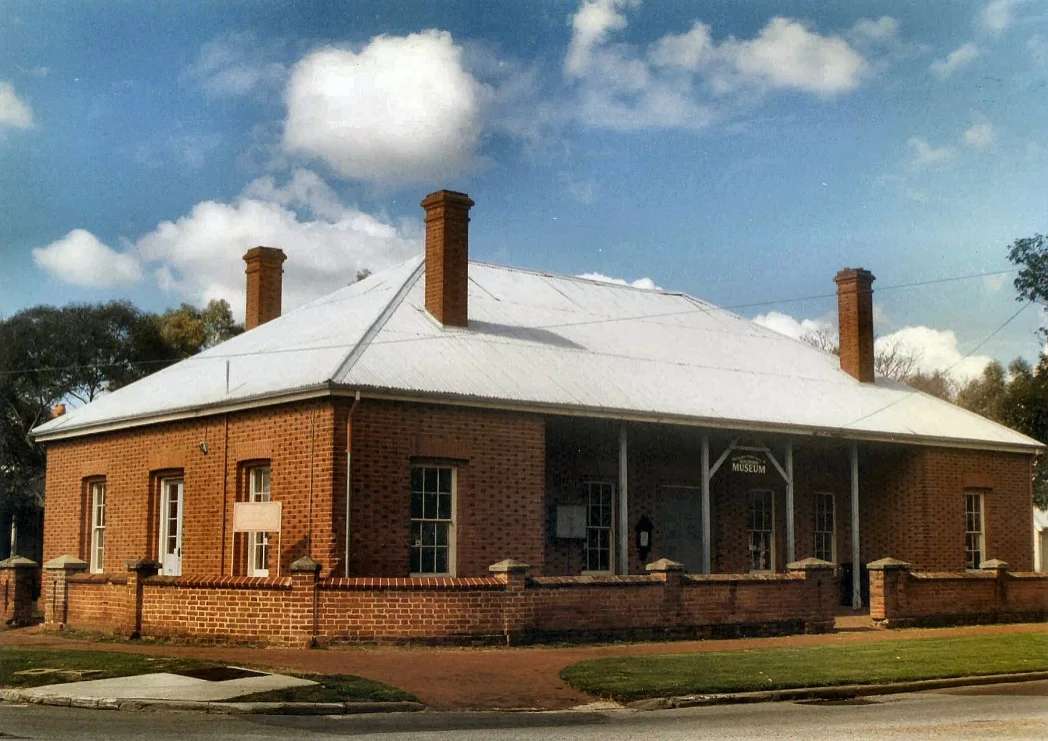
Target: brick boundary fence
[
  {"x": 506, "y": 608},
  {"x": 902, "y": 598}
]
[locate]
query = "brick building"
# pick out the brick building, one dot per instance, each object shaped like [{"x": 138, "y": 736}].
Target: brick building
[{"x": 429, "y": 421}]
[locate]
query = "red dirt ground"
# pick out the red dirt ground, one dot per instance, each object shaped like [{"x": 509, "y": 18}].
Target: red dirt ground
[{"x": 484, "y": 678}]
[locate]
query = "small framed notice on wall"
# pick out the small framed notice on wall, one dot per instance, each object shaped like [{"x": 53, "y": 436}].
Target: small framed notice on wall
[{"x": 571, "y": 521}]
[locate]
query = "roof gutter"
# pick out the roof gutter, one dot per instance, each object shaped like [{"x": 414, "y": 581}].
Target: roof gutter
[{"x": 333, "y": 390}]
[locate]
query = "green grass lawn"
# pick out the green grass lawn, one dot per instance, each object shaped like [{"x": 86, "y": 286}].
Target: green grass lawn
[
  {"x": 49, "y": 666},
  {"x": 635, "y": 678}
]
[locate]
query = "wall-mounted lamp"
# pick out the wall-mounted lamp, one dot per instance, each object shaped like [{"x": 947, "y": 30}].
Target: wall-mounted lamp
[{"x": 203, "y": 447}]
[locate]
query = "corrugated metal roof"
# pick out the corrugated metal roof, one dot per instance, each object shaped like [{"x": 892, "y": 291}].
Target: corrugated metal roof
[{"x": 551, "y": 342}]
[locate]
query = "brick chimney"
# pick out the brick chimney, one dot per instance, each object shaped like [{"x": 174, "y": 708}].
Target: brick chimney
[
  {"x": 855, "y": 320},
  {"x": 447, "y": 256},
  {"x": 264, "y": 284}
]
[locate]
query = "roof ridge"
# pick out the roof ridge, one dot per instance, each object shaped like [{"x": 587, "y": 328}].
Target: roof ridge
[
  {"x": 595, "y": 281},
  {"x": 354, "y": 354}
]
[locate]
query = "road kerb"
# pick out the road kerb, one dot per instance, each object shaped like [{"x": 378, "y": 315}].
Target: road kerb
[
  {"x": 229, "y": 708},
  {"x": 833, "y": 692}
]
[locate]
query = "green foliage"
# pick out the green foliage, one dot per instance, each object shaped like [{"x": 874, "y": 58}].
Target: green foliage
[
  {"x": 1018, "y": 399},
  {"x": 1030, "y": 255},
  {"x": 73, "y": 354},
  {"x": 188, "y": 330}
]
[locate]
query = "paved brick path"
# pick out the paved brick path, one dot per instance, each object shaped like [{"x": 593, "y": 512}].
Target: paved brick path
[{"x": 484, "y": 678}]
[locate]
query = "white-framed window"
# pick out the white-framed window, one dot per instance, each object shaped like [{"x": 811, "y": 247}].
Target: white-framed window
[
  {"x": 433, "y": 520},
  {"x": 600, "y": 519},
  {"x": 258, "y": 490},
  {"x": 825, "y": 527},
  {"x": 97, "y": 492},
  {"x": 761, "y": 528},
  {"x": 974, "y": 537}
]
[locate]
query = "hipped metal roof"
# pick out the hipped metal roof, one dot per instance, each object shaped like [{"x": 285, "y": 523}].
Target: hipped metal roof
[{"x": 544, "y": 342}]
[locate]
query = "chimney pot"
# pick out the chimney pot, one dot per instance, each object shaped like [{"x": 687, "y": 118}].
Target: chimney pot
[
  {"x": 447, "y": 256},
  {"x": 265, "y": 273},
  {"x": 58, "y": 411},
  {"x": 855, "y": 322}
]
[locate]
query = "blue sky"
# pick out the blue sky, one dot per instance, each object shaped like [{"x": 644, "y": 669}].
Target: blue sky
[{"x": 742, "y": 152}]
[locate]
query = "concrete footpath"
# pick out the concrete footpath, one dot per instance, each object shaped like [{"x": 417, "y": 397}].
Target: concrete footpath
[{"x": 486, "y": 678}]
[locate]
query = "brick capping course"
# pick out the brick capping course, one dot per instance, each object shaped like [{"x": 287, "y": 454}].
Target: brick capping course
[
  {"x": 419, "y": 583},
  {"x": 221, "y": 582},
  {"x": 109, "y": 578}
]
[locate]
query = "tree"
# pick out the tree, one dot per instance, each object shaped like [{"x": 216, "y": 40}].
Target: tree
[
  {"x": 71, "y": 353},
  {"x": 362, "y": 274},
  {"x": 188, "y": 330},
  {"x": 897, "y": 361},
  {"x": 1030, "y": 255}
]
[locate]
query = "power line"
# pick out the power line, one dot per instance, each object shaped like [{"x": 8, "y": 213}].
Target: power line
[
  {"x": 602, "y": 320},
  {"x": 948, "y": 369}
]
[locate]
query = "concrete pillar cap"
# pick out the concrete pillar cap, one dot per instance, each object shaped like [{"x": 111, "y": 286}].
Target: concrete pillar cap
[
  {"x": 509, "y": 566},
  {"x": 68, "y": 562},
  {"x": 995, "y": 564},
  {"x": 809, "y": 564},
  {"x": 664, "y": 564},
  {"x": 142, "y": 564},
  {"x": 18, "y": 562},
  {"x": 305, "y": 564},
  {"x": 888, "y": 564}
]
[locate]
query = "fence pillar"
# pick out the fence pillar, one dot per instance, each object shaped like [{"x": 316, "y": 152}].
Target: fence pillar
[
  {"x": 56, "y": 592},
  {"x": 671, "y": 574},
  {"x": 304, "y": 602},
  {"x": 17, "y": 577},
  {"x": 888, "y": 579},
  {"x": 137, "y": 572},
  {"x": 999, "y": 569},
  {"x": 514, "y": 575},
  {"x": 821, "y": 592}
]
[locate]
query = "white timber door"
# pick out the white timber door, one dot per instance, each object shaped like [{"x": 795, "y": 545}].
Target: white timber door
[{"x": 171, "y": 495}]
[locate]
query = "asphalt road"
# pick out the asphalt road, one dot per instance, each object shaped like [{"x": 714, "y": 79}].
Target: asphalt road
[{"x": 1001, "y": 712}]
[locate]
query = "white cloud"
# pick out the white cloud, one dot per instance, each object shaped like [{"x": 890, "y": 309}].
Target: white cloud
[
  {"x": 401, "y": 108},
  {"x": 791, "y": 327},
  {"x": 956, "y": 59},
  {"x": 13, "y": 111},
  {"x": 235, "y": 66},
  {"x": 199, "y": 256},
  {"x": 1037, "y": 45},
  {"x": 997, "y": 15},
  {"x": 788, "y": 55},
  {"x": 925, "y": 155},
  {"x": 883, "y": 28},
  {"x": 81, "y": 259},
  {"x": 689, "y": 80},
  {"x": 646, "y": 283},
  {"x": 936, "y": 350},
  {"x": 980, "y": 136}
]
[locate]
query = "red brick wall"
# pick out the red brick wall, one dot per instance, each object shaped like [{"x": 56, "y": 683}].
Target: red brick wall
[
  {"x": 297, "y": 440},
  {"x": 100, "y": 603},
  {"x": 500, "y": 458},
  {"x": 901, "y": 598},
  {"x": 237, "y": 608},
  {"x": 365, "y": 610}
]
